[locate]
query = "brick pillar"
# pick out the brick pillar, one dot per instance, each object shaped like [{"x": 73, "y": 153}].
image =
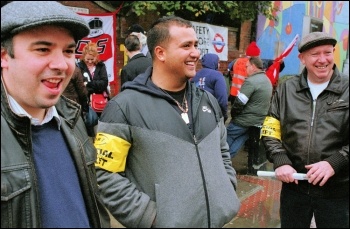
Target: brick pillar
[{"x": 244, "y": 39}]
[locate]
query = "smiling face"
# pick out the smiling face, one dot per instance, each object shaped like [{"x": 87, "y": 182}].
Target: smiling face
[
  {"x": 90, "y": 60},
  {"x": 319, "y": 62},
  {"x": 43, "y": 64},
  {"x": 181, "y": 52}
]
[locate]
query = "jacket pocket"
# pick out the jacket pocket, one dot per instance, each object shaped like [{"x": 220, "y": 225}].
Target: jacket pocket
[
  {"x": 338, "y": 108},
  {"x": 15, "y": 198}
]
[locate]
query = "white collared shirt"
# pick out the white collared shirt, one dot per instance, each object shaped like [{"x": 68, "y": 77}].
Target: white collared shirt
[{"x": 50, "y": 114}]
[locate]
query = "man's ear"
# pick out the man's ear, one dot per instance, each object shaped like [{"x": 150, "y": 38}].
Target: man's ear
[
  {"x": 301, "y": 58},
  {"x": 160, "y": 53},
  {"x": 4, "y": 58}
]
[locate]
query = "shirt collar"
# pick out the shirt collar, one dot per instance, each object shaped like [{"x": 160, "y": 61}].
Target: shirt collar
[{"x": 50, "y": 114}]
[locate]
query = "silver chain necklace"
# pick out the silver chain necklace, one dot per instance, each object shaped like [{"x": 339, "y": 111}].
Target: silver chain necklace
[{"x": 184, "y": 114}]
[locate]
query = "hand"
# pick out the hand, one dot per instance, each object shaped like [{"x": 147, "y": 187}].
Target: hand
[
  {"x": 320, "y": 171},
  {"x": 284, "y": 173}
]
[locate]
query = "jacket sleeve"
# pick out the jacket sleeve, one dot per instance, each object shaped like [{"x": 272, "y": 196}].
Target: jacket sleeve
[
  {"x": 120, "y": 195},
  {"x": 275, "y": 151},
  {"x": 242, "y": 98},
  {"x": 226, "y": 156},
  {"x": 220, "y": 93},
  {"x": 81, "y": 90},
  {"x": 225, "y": 153}
]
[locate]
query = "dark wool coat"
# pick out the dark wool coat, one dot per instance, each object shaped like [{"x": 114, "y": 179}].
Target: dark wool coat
[{"x": 136, "y": 65}]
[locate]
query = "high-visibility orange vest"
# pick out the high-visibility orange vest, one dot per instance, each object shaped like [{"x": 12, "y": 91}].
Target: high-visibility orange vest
[{"x": 239, "y": 74}]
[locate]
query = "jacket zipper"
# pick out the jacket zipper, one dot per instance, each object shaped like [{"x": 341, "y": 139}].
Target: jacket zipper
[{"x": 314, "y": 102}]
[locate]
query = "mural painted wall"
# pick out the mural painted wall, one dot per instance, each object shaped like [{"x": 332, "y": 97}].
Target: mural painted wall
[{"x": 273, "y": 37}]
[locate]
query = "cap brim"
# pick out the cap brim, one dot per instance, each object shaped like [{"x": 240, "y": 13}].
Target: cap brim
[
  {"x": 77, "y": 29},
  {"x": 315, "y": 43}
]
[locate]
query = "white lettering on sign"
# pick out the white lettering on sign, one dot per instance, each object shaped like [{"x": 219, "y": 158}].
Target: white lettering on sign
[{"x": 79, "y": 9}]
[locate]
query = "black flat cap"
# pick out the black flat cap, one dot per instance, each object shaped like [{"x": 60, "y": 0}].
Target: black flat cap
[{"x": 316, "y": 39}]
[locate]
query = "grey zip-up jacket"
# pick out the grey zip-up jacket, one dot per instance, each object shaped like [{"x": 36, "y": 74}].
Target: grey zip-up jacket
[
  {"x": 173, "y": 177},
  {"x": 20, "y": 205},
  {"x": 312, "y": 131}
]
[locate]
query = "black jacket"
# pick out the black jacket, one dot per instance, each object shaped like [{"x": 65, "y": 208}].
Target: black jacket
[
  {"x": 136, "y": 65},
  {"x": 312, "y": 132},
  {"x": 99, "y": 82},
  {"x": 20, "y": 205}
]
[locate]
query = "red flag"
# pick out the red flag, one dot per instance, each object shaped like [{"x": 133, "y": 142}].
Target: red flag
[{"x": 273, "y": 71}]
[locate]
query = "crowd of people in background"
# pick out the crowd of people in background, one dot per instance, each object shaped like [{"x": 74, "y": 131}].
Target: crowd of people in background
[{"x": 170, "y": 120}]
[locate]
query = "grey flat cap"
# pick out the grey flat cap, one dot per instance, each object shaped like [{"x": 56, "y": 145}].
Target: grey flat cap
[
  {"x": 17, "y": 16},
  {"x": 316, "y": 39}
]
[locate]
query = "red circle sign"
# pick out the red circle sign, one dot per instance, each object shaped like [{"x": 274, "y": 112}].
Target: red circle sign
[{"x": 218, "y": 43}]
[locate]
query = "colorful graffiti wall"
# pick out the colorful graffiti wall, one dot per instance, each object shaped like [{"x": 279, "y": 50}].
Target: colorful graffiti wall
[{"x": 273, "y": 37}]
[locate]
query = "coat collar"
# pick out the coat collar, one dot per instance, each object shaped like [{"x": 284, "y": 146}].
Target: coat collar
[{"x": 335, "y": 83}]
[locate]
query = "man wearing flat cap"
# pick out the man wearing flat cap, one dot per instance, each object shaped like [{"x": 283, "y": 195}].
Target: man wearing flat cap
[
  {"x": 307, "y": 131},
  {"x": 47, "y": 159}
]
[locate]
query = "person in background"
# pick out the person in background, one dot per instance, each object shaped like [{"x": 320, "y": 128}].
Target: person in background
[
  {"x": 228, "y": 78},
  {"x": 48, "y": 176},
  {"x": 210, "y": 79},
  {"x": 137, "y": 63},
  {"x": 250, "y": 107},
  {"x": 93, "y": 70},
  {"x": 239, "y": 70},
  {"x": 163, "y": 159},
  {"x": 307, "y": 131},
  {"x": 137, "y": 30},
  {"x": 77, "y": 92}
]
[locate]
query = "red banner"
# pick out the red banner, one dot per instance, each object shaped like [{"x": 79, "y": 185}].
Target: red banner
[{"x": 103, "y": 33}]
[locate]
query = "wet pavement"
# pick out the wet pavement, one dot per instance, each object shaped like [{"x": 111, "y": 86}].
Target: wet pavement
[{"x": 259, "y": 197}]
